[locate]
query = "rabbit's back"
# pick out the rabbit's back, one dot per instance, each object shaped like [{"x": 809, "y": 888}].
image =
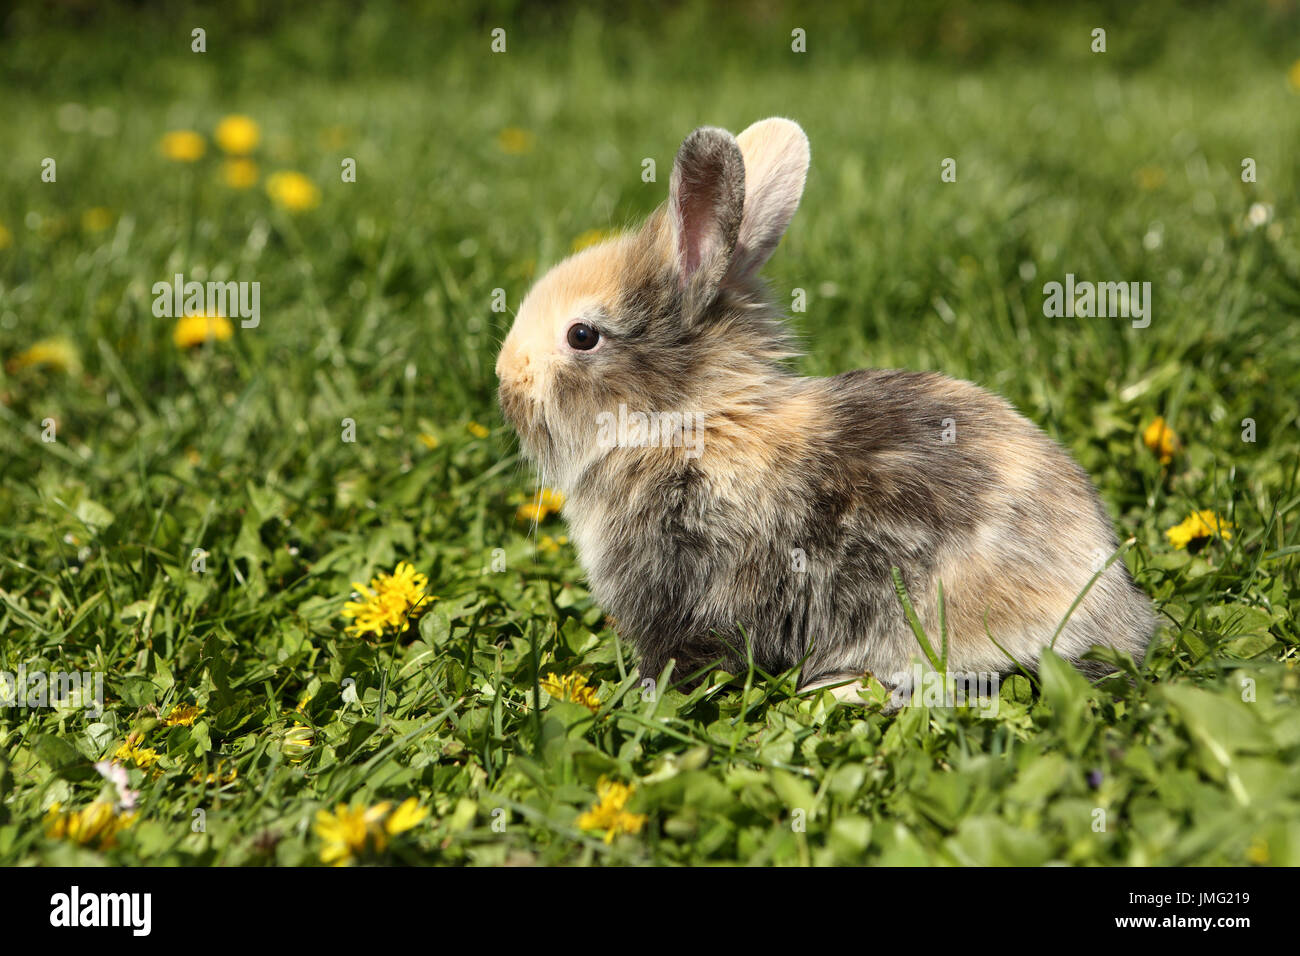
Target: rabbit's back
[{"x": 950, "y": 484}]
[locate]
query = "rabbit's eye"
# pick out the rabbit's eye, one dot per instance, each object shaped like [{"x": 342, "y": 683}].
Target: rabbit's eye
[{"x": 582, "y": 337}]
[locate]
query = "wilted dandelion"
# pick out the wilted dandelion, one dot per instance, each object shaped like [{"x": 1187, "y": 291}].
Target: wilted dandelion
[
  {"x": 515, "y": 141},
  {"x": 237, "y": 135},
  {"x": 1160, "y": 438},
  {"x": 194, "y": 330},
  {"x": 99, "y": 823},
  {"x": 548, "y": 501},
  {"x": 608, "y": 812},
  {"x": 389, "y": 603},
  {"x": 182, "y": 146},
  {"x": 1197, "y": 526},
  {"x": 572, "y": 687},
  {"x": 239, "y": 173},
  {"x": 59, "y": 354},
  {"x": 293, "y": 191}
]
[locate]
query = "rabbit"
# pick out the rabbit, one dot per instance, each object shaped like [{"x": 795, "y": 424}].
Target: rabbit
[{"x": 770, "y": 532}]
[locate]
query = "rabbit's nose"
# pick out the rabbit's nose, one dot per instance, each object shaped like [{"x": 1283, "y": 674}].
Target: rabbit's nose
[
  {"x": 503, "y": 361},
  {"x": 512, "y": 363}
]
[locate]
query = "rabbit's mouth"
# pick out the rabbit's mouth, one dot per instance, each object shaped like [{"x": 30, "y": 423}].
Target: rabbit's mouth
[{"x": 526, "y": 417}]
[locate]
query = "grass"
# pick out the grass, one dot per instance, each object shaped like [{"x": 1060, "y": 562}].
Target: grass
[{"x": 376, "y": 306}]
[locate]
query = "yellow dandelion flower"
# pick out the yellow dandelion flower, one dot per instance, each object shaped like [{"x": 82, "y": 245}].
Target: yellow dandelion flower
[
  {"x": 294, "y": 191},
  {"x": 143, "y": 757},
  {"x": 515, "y": 141},
  {"x": 608, "y": 812},
  {"x": 407, "y": 815},
  {"x": 428, "y": 441},
  {"x": 96, "y": 219},
  {"x": 194, "y": 330},
  {"x": 237, "y": 135},
  {"x": 6, "y": 238},
  {"x": 572, "y": 687},
  {"x": 98, "y": 823},
  {"x": 1293, "y": 76},
  {"x": 477, "y": 430},
  {"x": 182, "y": 715},
  {"x": 548, "y": 501},
  {"x": 389, "y": 603},
  {"x": 59, "y": 354},
  {"x": 1197, "y": 526},
  {"x": 348, "y": 832},
  {"x": 591, "y": 237},
  {"x": 239, "y": 173},
  {"x": 183, "y": 146},
  {"x": 1160, "y": 438}
]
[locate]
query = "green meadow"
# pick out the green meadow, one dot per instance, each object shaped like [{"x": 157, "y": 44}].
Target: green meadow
[{"x": 186, "y": 511}]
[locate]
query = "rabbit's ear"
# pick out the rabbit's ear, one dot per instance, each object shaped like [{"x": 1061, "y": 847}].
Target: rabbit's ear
[
  {"x": 776, "y": 165},
  {"x": 705, "y": 203}
]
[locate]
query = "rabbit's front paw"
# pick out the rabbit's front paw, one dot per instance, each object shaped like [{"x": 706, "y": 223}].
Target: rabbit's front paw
[{"x": 859, "y": 689}]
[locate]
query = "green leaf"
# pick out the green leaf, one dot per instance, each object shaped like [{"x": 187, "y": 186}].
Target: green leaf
[
  {"x": 62, "y": 758},
  {"x": 1067, "y": 693},
  {"x": 94, "y": 515},
  {"x": 1223, "y": 726}
]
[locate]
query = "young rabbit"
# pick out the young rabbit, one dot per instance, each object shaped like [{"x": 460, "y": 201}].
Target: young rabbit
[{"x": 779, "y": 518}]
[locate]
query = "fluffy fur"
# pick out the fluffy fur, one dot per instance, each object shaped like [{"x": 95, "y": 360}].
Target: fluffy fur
[{"x": 807, "y": 491}]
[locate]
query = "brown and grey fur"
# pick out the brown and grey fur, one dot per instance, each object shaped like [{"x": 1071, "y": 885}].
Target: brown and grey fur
[{"x": 852, "y": 471}]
